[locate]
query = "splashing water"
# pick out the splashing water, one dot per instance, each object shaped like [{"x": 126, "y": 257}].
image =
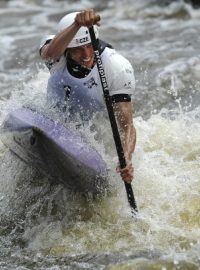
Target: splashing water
[{"x": 44, "y": 226}]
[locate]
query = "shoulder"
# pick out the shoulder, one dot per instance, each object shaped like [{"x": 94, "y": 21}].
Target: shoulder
[
  {"x": 119, "y": 72},
  {"x": 52, "y": 65},
  {"x": 58, "y": 66},
  {"x": 116, "y": 64},
  {"x": 112, "y": 58}
]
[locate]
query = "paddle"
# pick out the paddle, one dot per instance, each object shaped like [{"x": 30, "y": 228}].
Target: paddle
[{"x": 108, "y": 101}]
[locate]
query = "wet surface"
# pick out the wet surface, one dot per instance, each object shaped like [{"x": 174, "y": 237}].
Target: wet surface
[{"x": 43, "y": 225}]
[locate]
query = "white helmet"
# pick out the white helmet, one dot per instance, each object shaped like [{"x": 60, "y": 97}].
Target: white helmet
[{"x": 82, "y": 37}]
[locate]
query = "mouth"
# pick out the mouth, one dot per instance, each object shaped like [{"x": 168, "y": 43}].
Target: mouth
[{"x": 87, "y": 60}]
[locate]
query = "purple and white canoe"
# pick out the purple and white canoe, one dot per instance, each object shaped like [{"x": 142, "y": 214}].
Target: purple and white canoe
[{"x": 56, "y": 150}]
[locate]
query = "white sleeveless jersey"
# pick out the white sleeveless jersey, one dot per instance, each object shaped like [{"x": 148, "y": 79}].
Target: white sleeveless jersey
[{"x": 86, "y": 94}]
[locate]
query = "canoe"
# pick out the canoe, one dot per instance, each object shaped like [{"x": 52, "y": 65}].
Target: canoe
[{"x": 61, "y": 152}]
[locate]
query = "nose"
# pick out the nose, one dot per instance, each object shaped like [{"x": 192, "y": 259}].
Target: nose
[{"x": 86, "y": 52}]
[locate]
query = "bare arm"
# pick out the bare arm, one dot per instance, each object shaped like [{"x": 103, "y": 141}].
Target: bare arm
[
  {"x": 124, "y": 115},
  {"x": 56, "y": 48}
]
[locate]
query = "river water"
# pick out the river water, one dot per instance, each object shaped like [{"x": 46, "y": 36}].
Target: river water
[{"x": 44, "y": 226}]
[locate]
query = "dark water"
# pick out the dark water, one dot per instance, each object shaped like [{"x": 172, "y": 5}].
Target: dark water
[{"x": 44, "y": 226}]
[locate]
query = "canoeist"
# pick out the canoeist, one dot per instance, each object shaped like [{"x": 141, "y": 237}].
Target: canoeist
[{"x": 74, "y": 77}]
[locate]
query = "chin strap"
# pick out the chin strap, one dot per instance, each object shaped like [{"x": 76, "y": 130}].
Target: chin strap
[{"x": 76, "y": 69}]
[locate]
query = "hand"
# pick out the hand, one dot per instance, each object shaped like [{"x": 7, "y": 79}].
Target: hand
[
  {"x": 126, "y": 173},
  {"x": 87, "y": 18}
]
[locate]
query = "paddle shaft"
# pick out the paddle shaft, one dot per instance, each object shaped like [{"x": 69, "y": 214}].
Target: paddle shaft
[{"x": 108, "y": 101}]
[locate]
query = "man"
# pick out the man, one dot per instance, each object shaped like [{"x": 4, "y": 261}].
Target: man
[{"x": 74, "y": 81}]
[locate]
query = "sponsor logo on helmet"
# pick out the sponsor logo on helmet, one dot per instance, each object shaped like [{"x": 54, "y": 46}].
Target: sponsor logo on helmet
[{"x": 82, "y": 40}]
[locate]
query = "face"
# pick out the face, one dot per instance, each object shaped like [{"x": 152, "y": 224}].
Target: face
[{"x": 83, "y": 55}]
